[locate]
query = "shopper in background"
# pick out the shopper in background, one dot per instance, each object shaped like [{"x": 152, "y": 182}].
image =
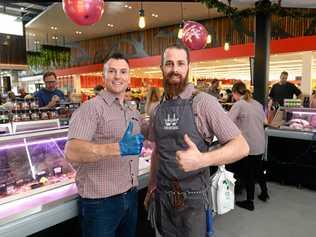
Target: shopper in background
[
  {"x": 22, "y": 92},
  {"x": 313, "y": 100},
  {"x": 97, "y": 89},
  {"x": 280, "y": 91},
  {"x": 152, "y": 100},
  {"x": 128, "y": 95},
  {"x": 49, "y": 96},
  {"x": 104, "y": 144},
  {"x": 249, "y": 116},
  {"x": 179, "y": 175},
  {"x": 214, "y": 89},
  {"x": 9, "y": 101}
]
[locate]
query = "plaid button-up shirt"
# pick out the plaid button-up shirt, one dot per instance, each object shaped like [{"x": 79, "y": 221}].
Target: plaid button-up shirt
[{"x": 103, "y": 120}]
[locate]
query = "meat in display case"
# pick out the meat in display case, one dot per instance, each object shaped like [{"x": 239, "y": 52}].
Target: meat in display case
[
  {"x": 32, "y": 163},
  {"x": 300, "y": 119}
]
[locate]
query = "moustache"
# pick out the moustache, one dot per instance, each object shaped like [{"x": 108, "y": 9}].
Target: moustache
[{"x": 171, "y": 74}]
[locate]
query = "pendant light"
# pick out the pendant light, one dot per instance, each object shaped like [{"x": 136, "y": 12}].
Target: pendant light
[
  {"x": 209, "y": 36},
  {"x": 180, "y": 32},
  {"x": 228, "y": 37},
  {"x": 141, "y": 20}
]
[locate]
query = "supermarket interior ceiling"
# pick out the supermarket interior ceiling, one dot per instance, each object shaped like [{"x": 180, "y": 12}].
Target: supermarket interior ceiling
[{"x": 122, "y": 17}]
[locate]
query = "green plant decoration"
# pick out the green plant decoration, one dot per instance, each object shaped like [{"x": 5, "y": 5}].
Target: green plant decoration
[{"x": 49, "y": 57}]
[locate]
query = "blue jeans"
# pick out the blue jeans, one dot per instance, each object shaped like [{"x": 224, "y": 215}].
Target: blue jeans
[{"x": 114, "y": 216}]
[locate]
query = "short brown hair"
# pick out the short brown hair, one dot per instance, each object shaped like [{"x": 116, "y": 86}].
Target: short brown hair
[
  {"x": 176, "y": 46},
  {"x": 47, "y": 74}
]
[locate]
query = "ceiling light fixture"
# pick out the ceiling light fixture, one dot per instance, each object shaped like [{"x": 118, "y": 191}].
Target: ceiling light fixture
[
  {"x": 226, "y": 46},
  {"x": 180, "y": 32},
  {"x": 141, "y": 20},
  {"x": 209, "y": 36},
  {"x": 78, "y": 32},
  {"x": 54, "y": 28}
]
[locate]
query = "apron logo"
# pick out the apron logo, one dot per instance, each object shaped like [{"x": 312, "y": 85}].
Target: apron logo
[{"x": 171, "y": 123}]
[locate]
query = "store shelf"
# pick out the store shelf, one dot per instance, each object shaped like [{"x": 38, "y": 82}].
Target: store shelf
[{"x": 39, "y": 125}]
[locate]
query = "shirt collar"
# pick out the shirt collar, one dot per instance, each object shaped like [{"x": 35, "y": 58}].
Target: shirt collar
[{"x": 108, "y": 97}]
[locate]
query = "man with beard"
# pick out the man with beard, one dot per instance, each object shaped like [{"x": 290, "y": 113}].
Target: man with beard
[{"x": 180, "y": 126}]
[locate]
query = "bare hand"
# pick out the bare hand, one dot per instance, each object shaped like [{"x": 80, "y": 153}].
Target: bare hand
[
  {"x": 190, "y": 159},
  {"x": 53, "y": 101}
]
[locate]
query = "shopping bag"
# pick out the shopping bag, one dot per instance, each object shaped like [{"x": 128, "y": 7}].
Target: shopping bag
[{"x": 222, "y": 189}]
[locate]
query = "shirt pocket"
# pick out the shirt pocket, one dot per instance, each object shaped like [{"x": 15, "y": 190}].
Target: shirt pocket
[{"x": 113, "y": 129}]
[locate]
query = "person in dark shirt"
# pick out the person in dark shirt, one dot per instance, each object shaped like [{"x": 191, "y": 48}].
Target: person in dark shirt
[
  {"x": 49, "y": 96},
  {"x": 282, "y": 90},
  {"x": 214, "y": 89}
]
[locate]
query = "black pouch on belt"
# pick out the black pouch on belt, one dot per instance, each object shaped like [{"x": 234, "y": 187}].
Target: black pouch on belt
[{"x": 177, "y": 195}]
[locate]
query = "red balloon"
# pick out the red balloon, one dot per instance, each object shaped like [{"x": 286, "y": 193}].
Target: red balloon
[
  {"x": 84, "y": 12},
  {"x": 194, "y": 35}
]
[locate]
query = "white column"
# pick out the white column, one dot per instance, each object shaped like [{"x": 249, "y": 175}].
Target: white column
[
  {"x": 76, "y": 81},
  {"x": 306, "y": 84}
]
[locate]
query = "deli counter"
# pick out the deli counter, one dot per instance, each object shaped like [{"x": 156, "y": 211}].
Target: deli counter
[
  {"x": 291, "y": 147},
  {"x": 37, "y": 188}
]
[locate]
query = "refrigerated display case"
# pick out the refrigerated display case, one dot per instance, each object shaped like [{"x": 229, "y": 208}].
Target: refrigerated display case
[
  {"x": 291, "y": 149},
  {"x": 37, "y": 188}
]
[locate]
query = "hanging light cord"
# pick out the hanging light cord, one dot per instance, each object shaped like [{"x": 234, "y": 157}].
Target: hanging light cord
[{"x": 181, "y": 12}]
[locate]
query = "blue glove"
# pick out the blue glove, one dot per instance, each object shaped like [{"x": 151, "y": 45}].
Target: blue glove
[{"x": 131, "y": 144}]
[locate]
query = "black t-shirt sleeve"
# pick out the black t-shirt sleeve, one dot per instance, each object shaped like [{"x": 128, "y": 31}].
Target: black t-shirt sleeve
[
  {"x": 296, "y": 91},
  {"x": 271, "y": 94}
]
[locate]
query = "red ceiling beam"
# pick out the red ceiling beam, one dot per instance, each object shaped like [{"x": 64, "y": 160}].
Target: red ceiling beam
[{"x": 306, "y": 43}]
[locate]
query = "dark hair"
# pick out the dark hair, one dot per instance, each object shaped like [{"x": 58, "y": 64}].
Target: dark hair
[
  {"x": 47, "y": 74},
  {"x": 285, "y": 73},
  {"x": 98, "y": 88},
  {"x": 176, "y": 46},
  {"x": 214, "y": 81},
  {"x": 117, "y": 56},
  {"x": 11, "y": 95},
  {"x": 240, "y": 88}
]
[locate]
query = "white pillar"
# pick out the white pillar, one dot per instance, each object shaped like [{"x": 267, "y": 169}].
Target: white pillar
[
  {"x": 76, "y": 83},
  {"x": 306, "y": 84}
]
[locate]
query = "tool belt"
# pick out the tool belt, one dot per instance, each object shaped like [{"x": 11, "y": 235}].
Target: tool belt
[{"x": 177, "y": 196}]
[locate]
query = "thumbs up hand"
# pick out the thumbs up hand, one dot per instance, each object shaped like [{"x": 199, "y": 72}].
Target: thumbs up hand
[
  {"x": 131, "y": 144},
  {"x": 189, "y": 159}
]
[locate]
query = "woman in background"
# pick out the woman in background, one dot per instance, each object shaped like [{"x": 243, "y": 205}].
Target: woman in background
[
  {"x": 313, "y": 100},
  {"x": 249, "y": 116},
  {"x": 152, "y": 100}
]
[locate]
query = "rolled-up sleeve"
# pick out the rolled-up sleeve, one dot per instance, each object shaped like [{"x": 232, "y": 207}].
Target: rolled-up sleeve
[
  {"x": 213, "y": 116},
  {"x": 83, "y": 123}
]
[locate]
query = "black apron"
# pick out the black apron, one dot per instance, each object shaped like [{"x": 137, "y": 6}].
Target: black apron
[{"x": 181, "y": 197}]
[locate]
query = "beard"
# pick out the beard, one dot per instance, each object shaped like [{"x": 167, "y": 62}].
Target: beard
[{"x": 174, "y": 88}]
